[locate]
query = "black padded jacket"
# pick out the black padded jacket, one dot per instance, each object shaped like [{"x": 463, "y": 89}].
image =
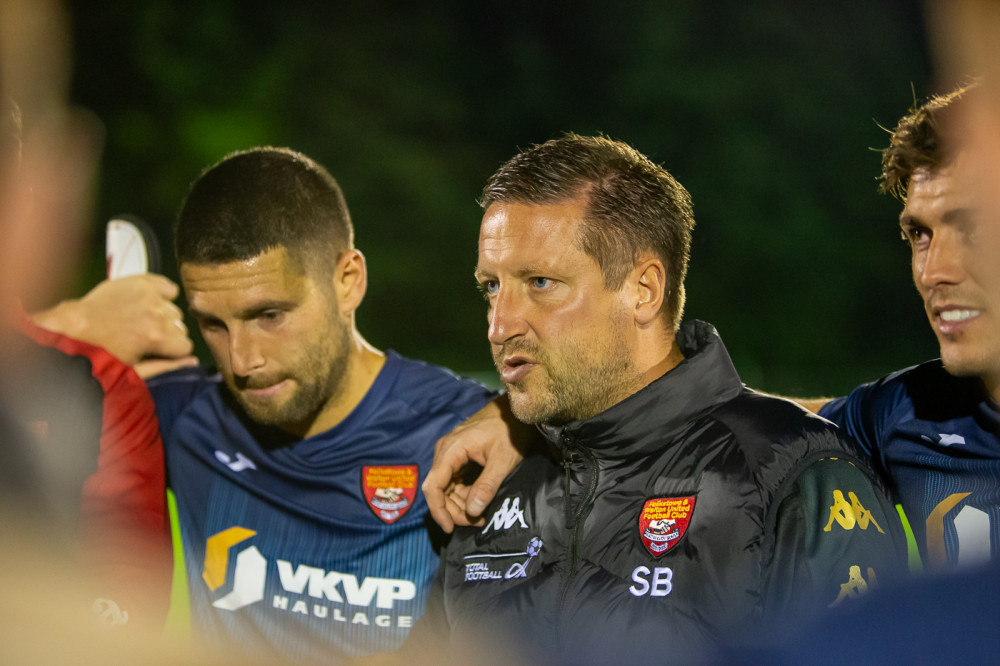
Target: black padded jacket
[{"x": 693, "y": 512}]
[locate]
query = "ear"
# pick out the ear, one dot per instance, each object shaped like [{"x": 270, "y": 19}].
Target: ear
[
  {"x": 350, "y": 280},
  {"x": 649, "y": 281}
]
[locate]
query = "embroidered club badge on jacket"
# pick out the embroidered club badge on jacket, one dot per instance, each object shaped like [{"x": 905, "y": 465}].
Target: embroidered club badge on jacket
[
  {"x": 390, "y": 490},
  {"x": 663, "y": 521}
]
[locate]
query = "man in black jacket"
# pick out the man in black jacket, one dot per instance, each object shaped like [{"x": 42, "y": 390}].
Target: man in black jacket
[{"x": 674, "y": 507}]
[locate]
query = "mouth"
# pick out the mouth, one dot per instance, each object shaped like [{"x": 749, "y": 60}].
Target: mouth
[
  {"x": 264, "y": 392},
  {"x": 952, "y": 319},
  {"x": 515, "y": 368}
]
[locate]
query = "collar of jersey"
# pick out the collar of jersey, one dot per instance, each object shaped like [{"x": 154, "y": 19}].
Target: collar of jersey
[{"x": 354, "y": 421}]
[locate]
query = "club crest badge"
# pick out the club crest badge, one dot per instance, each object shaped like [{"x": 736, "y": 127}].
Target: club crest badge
[
  {"x": 663, "y": 521},
  {"x": 390, "y": 490}
]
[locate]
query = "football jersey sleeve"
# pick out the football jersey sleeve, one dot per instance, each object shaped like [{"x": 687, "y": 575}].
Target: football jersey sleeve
[{"x": 173, "y": 391}]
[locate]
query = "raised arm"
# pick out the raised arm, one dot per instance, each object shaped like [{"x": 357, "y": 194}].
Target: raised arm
[{"x": 133, "y": 317}]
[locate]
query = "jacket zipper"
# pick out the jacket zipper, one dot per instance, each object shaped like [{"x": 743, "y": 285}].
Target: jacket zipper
[{"x": 575, "y": 519}]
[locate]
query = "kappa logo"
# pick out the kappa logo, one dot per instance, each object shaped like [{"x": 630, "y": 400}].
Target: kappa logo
[
  {"x": 855, "y": 586},
  {"x": 509, "y": 514},
  {"x": 663, "y": 521},
  {"x": 240, "y": 463},
  {"x": 313, "y": 583},
  {"x": 847, "y": 515}
]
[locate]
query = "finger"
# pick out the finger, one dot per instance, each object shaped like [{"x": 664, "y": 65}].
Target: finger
[
  {"x": 456, "y": 511},
  {"x": 486, "y": 486},
  {"x": 158, "y": 366},
  {"x": 434, "y": 487},
  {"x": 164, "y": 286},
  {"x": 177, "y": 341},
  {"x": 457, "y": 497}
]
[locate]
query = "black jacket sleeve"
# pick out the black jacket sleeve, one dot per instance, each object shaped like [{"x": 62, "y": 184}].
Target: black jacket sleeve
[{"x": 835, "y": 538}]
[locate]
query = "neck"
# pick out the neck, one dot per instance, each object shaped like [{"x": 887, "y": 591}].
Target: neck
[
  {"x": 362, "y": 369},
  {"x": 992, "y": 385},
  {"x": 660, "y": 358}
]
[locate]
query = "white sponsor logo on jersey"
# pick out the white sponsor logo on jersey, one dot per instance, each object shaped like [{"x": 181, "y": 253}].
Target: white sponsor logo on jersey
[
  {"x": 237, "y": 464},
  {"x": 313, "y": 583},
  {"x": 109, "y": 613}
]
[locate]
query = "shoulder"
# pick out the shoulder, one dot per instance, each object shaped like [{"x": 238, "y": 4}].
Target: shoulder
[
  {"x": 924, "y": 386},
  {"x": 925, "y": 392},
  {"x": 174, "y": 392},
  {"x": 183, "y": 381},
  {"x": 779, "y": 440},
  {"x": 428, "y": 388},
  {"x": 765, "y": 426}
]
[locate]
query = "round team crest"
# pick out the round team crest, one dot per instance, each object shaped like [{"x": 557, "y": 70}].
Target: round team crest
[
  {"x": 663, "y": 521},
  {"x": 390, "y": 491}
]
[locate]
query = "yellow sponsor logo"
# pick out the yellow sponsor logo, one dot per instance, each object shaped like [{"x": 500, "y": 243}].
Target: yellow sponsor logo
[
  {"x": 217, "y": 554},
  {"x": 848, "y": 514},
  {"x": 856, "y": 585}
]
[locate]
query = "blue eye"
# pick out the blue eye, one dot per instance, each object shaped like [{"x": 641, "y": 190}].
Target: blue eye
[
  {"x": 489, "y": 287},
  {"x": 541, "y": 282}
]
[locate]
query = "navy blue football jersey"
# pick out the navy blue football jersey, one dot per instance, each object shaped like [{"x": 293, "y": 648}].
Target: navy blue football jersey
[
  {"x": 935, "y": 437},
  {"x": 317, "y": 548}
]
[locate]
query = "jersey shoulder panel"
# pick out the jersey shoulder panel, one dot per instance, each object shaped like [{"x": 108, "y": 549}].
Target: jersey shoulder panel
[
  {"x": 869, "y": 411},
  {"x": 431, "y": 388},
  {"x": 173, "y": 392}
]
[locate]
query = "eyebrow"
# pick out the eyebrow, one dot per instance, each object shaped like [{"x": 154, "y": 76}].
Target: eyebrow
[
  {"x": 480, "y": 274},
  {"x": 959, "y": 215},
  {"x": 953, "y": 216},
  {"x": 246, "y": 313}
]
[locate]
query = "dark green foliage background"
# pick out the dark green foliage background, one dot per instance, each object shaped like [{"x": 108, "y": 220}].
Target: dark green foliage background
[{"x": 766, "y": 111}]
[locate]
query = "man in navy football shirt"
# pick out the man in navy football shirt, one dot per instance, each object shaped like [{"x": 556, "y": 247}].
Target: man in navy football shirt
[
  {"x": 296, "y": 471},
  {"x": 933, "y": 428}
]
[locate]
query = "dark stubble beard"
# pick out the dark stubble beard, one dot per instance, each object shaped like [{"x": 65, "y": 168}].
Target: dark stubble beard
[
  {"x": 570, "y": 390},
  {"x": 316, "y": 388}
]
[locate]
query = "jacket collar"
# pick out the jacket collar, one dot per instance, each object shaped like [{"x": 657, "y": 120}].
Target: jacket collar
[{"x": 704, "y": 379}]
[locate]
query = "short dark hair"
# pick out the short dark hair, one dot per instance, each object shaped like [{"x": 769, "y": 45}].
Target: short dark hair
[
  {"x": 633, "y": 205},
  {"x": 928, "y": 136},
  {"x": 259, "y": 199}
]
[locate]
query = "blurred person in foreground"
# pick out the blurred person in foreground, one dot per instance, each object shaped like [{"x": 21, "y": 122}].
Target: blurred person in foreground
[
  {"x": 81, "y": 472},
  {"x": 672, "y": 507}
]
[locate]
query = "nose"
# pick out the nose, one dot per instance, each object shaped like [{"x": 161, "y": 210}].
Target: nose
[
  {"x": 942, "y": 262},
  {"x": 244, "y": 353},
  {"x": 506, "y": 317}
]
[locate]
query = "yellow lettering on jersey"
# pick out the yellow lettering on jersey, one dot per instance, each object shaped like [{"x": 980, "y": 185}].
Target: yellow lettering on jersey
[
  {"x": 850, "y": 514},
  {"x": 856, "y": 585},
  {"x": 217, "y": 554}
]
